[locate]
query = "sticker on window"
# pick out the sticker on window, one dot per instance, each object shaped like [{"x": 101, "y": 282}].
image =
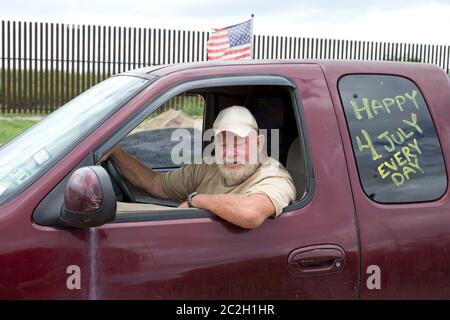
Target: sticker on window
[
  {"x": 3, "y": 188},
  {"x": 19, "y": 176},
  {"x": 41, "y": 157}
]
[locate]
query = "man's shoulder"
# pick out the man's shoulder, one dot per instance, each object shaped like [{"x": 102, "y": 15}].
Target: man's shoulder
[{"x": 273, "y": 167}]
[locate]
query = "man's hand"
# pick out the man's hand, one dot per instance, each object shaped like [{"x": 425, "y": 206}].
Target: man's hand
[
  {"x": 136, "y": 173},
  {"x": 109, "y": 154}
]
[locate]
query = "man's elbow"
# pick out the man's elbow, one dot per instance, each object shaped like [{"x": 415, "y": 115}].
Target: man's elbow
[{"x": 252, "y": 219}]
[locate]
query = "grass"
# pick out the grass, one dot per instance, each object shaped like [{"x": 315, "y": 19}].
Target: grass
[
  {"x": 68, "y": 83},
  {"x": 12, "y": 115},
  {"x": 12, "y": 127},
  {"x": 193, "y": 110},
  {"x": 191, "y": 105}
]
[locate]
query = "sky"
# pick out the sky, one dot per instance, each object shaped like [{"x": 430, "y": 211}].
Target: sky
[{"x": 417, "y": 21}]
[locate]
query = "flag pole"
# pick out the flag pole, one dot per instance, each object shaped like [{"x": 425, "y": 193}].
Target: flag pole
[{"x": 252, "y": 37}]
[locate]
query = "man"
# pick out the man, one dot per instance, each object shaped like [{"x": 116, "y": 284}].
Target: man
[{"x": 243, "y": 185}]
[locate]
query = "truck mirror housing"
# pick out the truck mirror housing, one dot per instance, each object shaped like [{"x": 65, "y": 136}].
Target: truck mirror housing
[{"x": 89, "y": 198}]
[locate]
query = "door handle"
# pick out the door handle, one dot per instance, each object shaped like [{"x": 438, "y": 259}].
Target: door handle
[{"x": 319, "y": 259}]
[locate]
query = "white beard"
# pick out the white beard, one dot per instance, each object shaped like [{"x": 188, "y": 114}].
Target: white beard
[{"x": 234, "y": 176}]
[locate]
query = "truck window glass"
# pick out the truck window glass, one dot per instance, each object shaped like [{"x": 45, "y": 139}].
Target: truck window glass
[
  {"x": 394, "y": 140},
  {"x": 23, "y": 159}
]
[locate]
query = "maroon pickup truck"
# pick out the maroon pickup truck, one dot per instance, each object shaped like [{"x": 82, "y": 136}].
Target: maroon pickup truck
[{"x": 367, "y": 145}]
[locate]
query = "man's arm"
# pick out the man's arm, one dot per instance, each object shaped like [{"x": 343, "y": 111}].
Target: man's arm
[
  {"x": 246, "y": 211},
  {"x": 137, "y": 173}
]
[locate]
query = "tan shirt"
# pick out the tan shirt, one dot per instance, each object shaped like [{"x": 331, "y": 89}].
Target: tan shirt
[{"x": 271, "y": 179}]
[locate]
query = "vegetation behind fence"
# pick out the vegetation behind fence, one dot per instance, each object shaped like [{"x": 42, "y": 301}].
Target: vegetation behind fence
[{"x": 44, "y": 65}]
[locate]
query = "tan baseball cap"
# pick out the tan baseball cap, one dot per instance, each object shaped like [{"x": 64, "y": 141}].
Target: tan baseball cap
[{"x": 235, "y": 119}]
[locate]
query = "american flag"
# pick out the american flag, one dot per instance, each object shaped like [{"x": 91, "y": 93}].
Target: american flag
[{"x": 231, "y": 43}]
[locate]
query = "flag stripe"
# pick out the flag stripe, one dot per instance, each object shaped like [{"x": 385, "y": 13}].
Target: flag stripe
[
  {"x": 219, "y": 37},
  {"x": 229, "y": 52},
  {"x": 219, "y": 55},
  {"x": 237, "y": 57},
  {"x": 219, "y": 44},
  {"x": 218, "y": 50},
  {"x": 240, "y": 50}
]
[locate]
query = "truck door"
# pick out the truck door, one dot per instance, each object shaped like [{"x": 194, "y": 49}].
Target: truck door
[{"x": 309, "y": 252}]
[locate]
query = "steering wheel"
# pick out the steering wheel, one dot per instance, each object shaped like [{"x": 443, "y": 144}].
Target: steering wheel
[{"x": 127, "y": 195}]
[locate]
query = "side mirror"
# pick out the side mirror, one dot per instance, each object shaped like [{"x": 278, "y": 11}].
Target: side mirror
[{"x": 89, "y": 198}]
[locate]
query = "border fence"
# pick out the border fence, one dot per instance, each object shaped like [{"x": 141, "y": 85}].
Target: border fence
[{"x": 44, "y": 65}]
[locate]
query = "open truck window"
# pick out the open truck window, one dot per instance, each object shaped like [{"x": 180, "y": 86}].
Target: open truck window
[{"x": 156, "y": 140}]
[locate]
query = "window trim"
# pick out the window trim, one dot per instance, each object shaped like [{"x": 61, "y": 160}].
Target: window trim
[{"x": 207, "y": 82}]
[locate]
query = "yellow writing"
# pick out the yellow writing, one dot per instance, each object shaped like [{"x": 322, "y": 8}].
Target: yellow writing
[
  {"x": 402, "y": 164},
  {"x": 413, "y": 123},
  {"x": 370, "y": 108},
  {"x": 369, "y": 145},
  {"x": 399, "y": 137}
]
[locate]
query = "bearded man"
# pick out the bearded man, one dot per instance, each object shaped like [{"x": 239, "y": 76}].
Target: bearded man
[{"x": 243, "y": 185}]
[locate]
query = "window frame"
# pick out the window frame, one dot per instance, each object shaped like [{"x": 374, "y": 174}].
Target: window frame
[
  {"x": 411, "y": 81},
  {"x": 205, "y": 82}
]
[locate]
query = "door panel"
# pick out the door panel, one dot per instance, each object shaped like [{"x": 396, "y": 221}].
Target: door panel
[{"x": 35, "y": 259}]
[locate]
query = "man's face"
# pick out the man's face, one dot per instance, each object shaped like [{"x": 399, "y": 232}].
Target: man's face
[{"x": 237, "y": 157}]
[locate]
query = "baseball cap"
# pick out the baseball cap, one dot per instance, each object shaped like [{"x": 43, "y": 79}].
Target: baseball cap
[{"x": 235, "y": 119}]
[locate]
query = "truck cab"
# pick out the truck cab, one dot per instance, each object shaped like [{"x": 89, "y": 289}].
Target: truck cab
[{"x": 365, "y": 144}]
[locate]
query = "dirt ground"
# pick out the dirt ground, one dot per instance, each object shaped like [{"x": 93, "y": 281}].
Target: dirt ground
[{"x": 171, "y": 119}]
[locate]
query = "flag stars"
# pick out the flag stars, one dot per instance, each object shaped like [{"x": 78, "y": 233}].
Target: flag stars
[{"x": 240, "y": 34}]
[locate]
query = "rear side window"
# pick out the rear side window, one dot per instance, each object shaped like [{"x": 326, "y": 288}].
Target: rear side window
[{"x": 394, "y": 141}]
